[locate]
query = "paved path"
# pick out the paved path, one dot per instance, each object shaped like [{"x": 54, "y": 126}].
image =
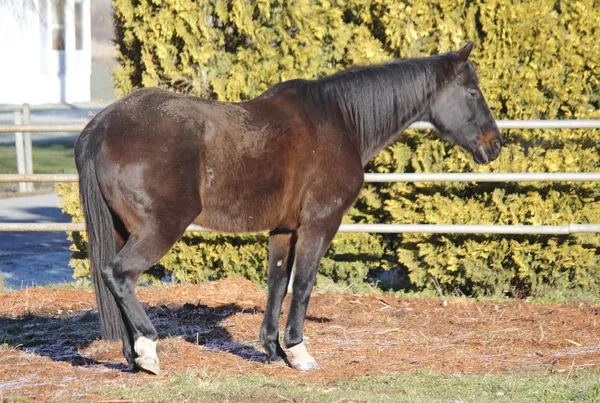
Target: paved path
[
  {"x": 37, "y": 258},
  {"x": 28, "y": 258}
]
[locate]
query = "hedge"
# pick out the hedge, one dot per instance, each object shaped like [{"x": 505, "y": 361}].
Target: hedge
[{"x": 550, "y": 69}]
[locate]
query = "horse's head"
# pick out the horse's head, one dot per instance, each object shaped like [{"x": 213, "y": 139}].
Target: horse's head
[{"x": 461, "y": 114}]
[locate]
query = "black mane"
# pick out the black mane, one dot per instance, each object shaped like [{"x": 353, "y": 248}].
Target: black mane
[{"x": 377, "y": 102}]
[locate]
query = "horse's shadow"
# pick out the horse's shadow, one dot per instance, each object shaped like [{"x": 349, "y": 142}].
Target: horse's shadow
[
  {"x": 206, "y": 326},
  {"x": 62, "y": 338}
]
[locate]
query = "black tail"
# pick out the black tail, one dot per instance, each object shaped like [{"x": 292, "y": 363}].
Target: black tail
[{"x": 100, "y": 233}]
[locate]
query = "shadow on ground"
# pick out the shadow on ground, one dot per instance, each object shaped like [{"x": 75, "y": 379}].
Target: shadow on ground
[{"x": 61, "y": 338}]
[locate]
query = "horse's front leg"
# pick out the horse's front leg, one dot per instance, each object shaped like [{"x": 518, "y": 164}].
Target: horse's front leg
[
  {"x": 314, "y": 238},
  {"x": 281, "y": 260}
]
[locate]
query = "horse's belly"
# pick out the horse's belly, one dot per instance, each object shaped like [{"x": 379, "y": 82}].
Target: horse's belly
[{"x": 239, "y": 215}]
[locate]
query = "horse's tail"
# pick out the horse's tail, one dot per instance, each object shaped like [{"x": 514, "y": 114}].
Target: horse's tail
[{"x": 100, "y": 232}]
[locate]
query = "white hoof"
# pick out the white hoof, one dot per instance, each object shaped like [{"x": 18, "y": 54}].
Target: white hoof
[
  {"x": 148, "y": 365},
  {"x": 304, "y": 366},
  {"x": 301, "y": 359},
  {"x": 147, "y": 359}
]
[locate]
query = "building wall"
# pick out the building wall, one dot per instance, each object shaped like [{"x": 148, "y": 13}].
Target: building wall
[{"x": 32, "y": 70}]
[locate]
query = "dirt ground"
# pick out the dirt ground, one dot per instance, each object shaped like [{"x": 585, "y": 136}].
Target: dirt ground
[{"x": 53, "y": 349}]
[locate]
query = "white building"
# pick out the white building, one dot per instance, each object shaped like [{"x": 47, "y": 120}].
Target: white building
[{"x": 45, "y": 51}]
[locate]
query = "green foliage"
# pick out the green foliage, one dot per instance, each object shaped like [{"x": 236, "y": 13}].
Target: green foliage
[
  {"x": 198, "y": 257},
  {"x": 233, "y": 50}
]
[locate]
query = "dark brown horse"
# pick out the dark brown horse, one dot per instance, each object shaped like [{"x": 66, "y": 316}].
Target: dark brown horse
[{"x": 290, "y": 162}]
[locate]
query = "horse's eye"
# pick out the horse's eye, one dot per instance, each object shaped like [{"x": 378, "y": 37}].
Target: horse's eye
[{"x": 472, "y": 92}]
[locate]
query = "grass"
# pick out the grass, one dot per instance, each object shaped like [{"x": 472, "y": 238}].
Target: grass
[
  {"x": 418, "y": 386},
  {"x": 52, "y": 158}
]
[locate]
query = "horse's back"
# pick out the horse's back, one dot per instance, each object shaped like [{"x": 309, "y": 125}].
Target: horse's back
[{"x": 233, "y": 167}]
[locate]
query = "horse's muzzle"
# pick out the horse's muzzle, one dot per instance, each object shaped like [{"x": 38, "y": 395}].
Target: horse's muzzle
[{"x": 488, "y": 148}]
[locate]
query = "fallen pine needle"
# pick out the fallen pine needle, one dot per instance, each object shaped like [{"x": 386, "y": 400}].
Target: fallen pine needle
[
  {"x": 383, "y": 302},
  {"x": 573, "y": 342},
  {"x": 389, "y": 331}
]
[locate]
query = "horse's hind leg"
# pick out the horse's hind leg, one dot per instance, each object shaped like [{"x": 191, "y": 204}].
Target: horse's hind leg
[
  {"x": 281, "y": 260},
  {"x": 141, "y": 251},
  {"x": 121, "y": 236}
]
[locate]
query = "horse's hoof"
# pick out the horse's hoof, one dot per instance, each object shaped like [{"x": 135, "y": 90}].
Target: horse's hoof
[
  {"x": 305, "y": 366},
  {"x": 148, "y": 365},
  {"x": 301, "y": 359}
]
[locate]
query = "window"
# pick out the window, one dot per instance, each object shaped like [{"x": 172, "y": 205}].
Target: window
[
  {"x": 58, "y": 24},
  {"x": 78, "y": 25}
]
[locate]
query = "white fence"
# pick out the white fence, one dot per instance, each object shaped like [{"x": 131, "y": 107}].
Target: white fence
[
  {"x": 23, "y": 146},
  {"x": 28, "y": 177}
]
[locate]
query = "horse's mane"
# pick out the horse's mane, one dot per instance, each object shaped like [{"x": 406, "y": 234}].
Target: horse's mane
[{"x": 373, "y": 100}]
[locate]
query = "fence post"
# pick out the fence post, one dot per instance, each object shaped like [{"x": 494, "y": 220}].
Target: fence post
[
  {"x": 27, "y": 141},
  {"x": 20, "y": 151}
]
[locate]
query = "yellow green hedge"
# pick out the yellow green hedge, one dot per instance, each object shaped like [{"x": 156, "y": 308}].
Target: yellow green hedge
[{"x": 536, "y": 60}]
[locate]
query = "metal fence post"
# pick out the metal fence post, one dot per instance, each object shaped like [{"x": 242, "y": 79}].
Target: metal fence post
[
  {"x": 27, "y": 141},
  {"x": 20, "y": 149}
]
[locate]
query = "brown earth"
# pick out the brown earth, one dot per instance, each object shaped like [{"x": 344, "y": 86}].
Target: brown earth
[{"x": 54, "y": 351}]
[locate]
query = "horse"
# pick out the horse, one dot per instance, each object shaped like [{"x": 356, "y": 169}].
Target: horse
[{"x": 290, "y": 162}]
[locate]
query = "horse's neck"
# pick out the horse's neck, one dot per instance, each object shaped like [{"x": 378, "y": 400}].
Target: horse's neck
[{"x": 371, "y": 145}]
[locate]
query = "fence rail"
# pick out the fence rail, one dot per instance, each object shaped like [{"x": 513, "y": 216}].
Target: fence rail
[
  {"x": 502, "y": 124},
  {"x": 41, "y": 128},
  {"x": 392, "y": 177},
  {"x": 373, "y": 228},
  {"x": 368, "y": 228},
  {"x": 369, "y": 177}
]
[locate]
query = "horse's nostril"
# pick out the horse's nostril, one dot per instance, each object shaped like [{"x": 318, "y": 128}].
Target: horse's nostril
[
  {"x": 483, "y": 154},
  {"x": 496, "y": 145}
]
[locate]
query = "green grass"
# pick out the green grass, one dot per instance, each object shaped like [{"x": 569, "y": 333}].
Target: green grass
[
  {"x": 47, "y": 159},
  {"x": 418, "y": 386}
]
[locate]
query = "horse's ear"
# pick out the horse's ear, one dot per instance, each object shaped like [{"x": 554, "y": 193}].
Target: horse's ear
[
  {"x": 462, "y": 56},
  {"x": 464, "y": 52}
]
